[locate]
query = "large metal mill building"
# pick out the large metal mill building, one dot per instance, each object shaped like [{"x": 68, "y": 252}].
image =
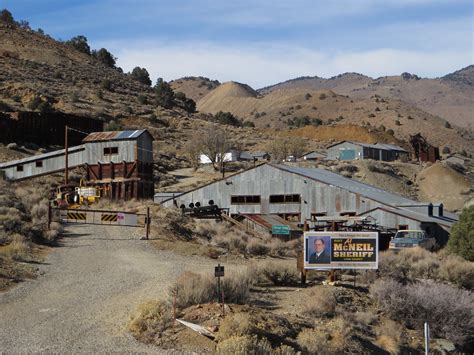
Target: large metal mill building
[{"x": 300, "y": 194}]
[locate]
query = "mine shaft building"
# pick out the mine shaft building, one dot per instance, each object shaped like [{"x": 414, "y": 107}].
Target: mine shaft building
[
  {"x": 301, "y": 194},
  {"x": 119, "y": 162}
]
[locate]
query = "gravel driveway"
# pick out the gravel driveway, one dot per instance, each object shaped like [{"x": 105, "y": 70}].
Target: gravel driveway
[{"x": 86, "y": 292}]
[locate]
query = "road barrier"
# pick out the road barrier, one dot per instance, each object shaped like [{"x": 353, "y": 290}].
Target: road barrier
[{"x": 102, "y": 217}]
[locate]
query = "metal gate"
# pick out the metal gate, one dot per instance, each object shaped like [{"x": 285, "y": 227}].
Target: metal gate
[{"x": 102, "y": 217}]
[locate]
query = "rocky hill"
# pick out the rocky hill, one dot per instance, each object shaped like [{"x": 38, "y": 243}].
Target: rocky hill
[
  {"x": 34, "y": 68},
  {"x": 450, "y": 97},
  {"x": 290, "y": 108},
  {"x": 194, "y": 87}
]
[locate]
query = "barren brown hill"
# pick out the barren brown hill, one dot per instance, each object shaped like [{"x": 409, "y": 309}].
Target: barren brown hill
[
  {"x": 194, "y": 87},
  {"x": 280, "y": 109},
  {"x": 450, "y": 97}
]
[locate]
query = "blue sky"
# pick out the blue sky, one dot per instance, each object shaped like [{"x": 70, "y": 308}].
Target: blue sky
[{"x": 264, "y": 42}]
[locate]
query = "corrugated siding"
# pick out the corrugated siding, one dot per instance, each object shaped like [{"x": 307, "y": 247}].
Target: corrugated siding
[
  {"x": 267, "y": 180},
  {"x": 334, "y": 151}
]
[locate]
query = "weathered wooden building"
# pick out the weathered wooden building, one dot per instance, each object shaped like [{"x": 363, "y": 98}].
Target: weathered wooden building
[
  {"x": 299, "y": 194},
  {"x": 121, "y": 163}
]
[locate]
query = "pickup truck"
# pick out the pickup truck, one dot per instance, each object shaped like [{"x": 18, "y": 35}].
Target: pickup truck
[{"x": 412, "y": 238}]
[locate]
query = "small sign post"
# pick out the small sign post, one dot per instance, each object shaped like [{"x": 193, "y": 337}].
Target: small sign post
[
  {"x": 219, "y": 272},
  {"x": 427, "y": 338}
]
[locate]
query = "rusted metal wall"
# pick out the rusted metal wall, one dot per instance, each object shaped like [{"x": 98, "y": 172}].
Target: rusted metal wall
[{"x": 45, "y": 128}]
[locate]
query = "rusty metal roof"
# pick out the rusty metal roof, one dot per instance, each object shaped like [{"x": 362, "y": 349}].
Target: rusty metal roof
[{"x": 114, "y": 135}]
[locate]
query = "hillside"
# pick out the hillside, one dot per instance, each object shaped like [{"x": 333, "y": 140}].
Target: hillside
[
  {"x": 34, "y": 66},
  {"x": 194, "y": 87},
  {"x": 280, "y": 109},
  {"x": 450, "y": 97}
]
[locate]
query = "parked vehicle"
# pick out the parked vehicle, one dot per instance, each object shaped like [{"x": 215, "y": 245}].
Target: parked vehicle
[{"x": 412, "y": 238}]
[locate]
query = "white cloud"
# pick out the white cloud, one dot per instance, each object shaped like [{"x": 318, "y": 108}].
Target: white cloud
[{"x": 269, "y": 63}]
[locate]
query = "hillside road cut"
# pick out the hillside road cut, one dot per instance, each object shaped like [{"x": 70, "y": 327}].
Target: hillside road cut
[{"x": 87, "y": 289}]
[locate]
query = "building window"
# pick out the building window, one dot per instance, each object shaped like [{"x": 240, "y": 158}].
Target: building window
[
  {"x": 285, "y": 198},
  {"x": 314, "y": 216},
  {"x": 19, "y": 168},
  {"x": 39, "y": 164},
  {"x": 110, "y": 150},
  {"x": 347, "y": 214},
  {"x": 245, "y": 199},
  {"x": 402, "y": 226}
]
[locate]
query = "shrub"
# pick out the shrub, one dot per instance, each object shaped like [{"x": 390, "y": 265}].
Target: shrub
[
  {"x": 34, "y": 103},
  {"x": 322, "y": 96},
  {"x": 257, "y": 247},
  {"x": 248, "y": 124},
  {"x": 280, "y": 275},
  {"x": 4, "y": 107},
  {"x": 321, "y": 301},
  {"x": 377, "y": 109},
  {"x": 389, "y": 335},
  {"x": 141, "y": 75},
  {"x": 461, "y": 240},
  {"x": 397, "y": 123},
  {"x": 142, "y": 99},
  {"x": 458, "y": 271},
  {"x": 226, "y": 118},
  {"x": 7, "y": 17},
  {"x": 106, "y": 84},
  {"x": 237, "y": 324},
  {"x": 18, "y": 249},
  {"x": 316, "y": 341},
  {"x": 152, "y": 319},
  {"x": 243, "y": 345},
  {"x": 191, "y": 289},
  {"x": 104, "y": 57},
  {"x": 447, "y": 124},
  {"x": 390, "y": 131},
  {"x": 448, "y": 310},
  {"x": 79, "y": 43},
  {"x": 307, "y": 96}
]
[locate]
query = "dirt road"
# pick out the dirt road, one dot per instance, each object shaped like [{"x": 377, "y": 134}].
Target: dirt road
[{"x": 86, "y": 292}]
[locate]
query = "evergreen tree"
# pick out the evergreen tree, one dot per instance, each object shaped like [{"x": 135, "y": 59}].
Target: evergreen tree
[
  {"x": 7, "y": 17},
  {"x": 461, "y": 240},
  {"x": 164, "y": 94},
  {"x": 141, "y": 75},
  {"x": 80, "y": 43},
  {"x": 105, "y": 57}
]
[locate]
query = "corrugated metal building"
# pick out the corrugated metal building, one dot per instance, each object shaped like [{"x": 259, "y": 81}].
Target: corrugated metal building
[
  {"x": 298, "y": 194},
  {"x": 347, "y": 150},
  {"x": 121, "y": 162}
]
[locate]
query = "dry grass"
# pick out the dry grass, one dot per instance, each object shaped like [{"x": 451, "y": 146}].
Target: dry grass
[
  {"x": 458, "y": 271},
  {"x": 321, "y": 301},
  {"x": 236, "y": 324},
  {"x": 277, "y": 274},
  {"x": 243, "y": 345},
  {"x": 333, "y": 339},
  {"x": 389, "y": 335},
  {"x": 191, "y": 289},
  {"x": 18, "y": 249},
  {"x": 150, "y": 321},
  {"x": 257, "y": 247}
]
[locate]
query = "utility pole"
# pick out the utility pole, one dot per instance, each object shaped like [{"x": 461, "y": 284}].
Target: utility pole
[{"x": 66, "y": 176}]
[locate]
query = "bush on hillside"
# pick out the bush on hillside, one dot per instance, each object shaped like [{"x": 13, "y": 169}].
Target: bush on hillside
[
  {"x": 79, "y": 43},
  {"x": 447, "y": 309},
  {"x": 164, "y": 94},
  {"x": 104, "y": 57},
  {"x": 461, "y": 240},
  {"x": 141, "y": 75}
]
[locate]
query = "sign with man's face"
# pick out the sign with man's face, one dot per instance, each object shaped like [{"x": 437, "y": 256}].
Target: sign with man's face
[{"x": 341, "y": 250}]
